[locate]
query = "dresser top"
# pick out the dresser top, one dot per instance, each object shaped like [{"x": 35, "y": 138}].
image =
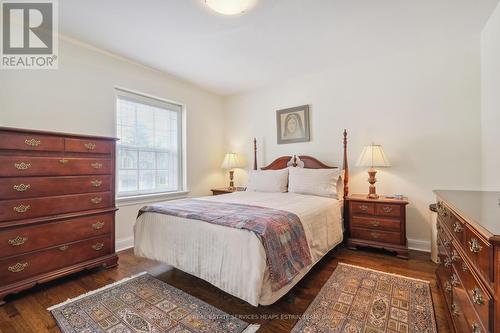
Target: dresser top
[{"x": 480, "y": 208}]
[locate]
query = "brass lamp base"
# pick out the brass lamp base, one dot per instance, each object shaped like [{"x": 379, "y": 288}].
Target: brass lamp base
[{"x": 372, "y": 194}]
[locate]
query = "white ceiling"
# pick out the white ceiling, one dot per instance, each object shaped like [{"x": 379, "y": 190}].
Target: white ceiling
[{"x": 276, "y": 40}]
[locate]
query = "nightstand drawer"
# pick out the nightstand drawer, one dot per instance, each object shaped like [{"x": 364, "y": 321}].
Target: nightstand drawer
[
  {"x": 376, "y": 223},
  {"x": 376, "y": 236},
  {"x": 359, "y": 207},
  {"x": 383, "y": 209}
]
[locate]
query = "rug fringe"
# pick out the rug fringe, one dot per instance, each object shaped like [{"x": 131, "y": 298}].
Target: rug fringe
[
  {"x": 252, "y": 328},
  {"x": 393, "y": 274},
  {"x": 69, "y": 300}
]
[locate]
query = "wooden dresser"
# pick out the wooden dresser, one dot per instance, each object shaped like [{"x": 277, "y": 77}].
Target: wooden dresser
[
  {"x": 57, "y": 206},
  {"x": 378, "y": 223},
  {"x": 469, "y": 256}
]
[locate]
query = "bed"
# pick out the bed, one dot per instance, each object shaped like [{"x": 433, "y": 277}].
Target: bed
[{"x": 233, "y": 259}]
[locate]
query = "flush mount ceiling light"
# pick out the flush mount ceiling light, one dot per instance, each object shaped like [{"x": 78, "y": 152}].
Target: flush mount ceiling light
[{"x": 230, "y": 7}]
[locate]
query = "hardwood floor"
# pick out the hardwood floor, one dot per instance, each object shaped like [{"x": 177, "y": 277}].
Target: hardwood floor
[{"x": 26, "y": 312}]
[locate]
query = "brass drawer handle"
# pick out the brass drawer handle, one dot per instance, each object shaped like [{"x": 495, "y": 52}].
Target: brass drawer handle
[
  {"x": 32, "y": 142},
  {"x": 63, "y": 161},
  {"x": 457, "y": 227},
  {"x": 387, "y": 209},
  {"x": 64, "y": 247},
  {"x": 96, "y": 183},
  {"x": 375, "y": 235},
  {"x": 22, "y": 165},
  {"x": 96, "y": 200},
  {"x": 375, "y": 224},
  {"x": 98, "y": 246},
  {"x": 454, "y": 256},
  {"x": 476, "y": 328},
  {"x": 363, "y": 207},
  {"x": 22, "y": 208},
  {"x": 19, "y": 240},
  {"x": 447, "y": 262},
  {"x": 21, "y": 187},
  {"x": 446, "y": 243},
  {"x": 96, "y": 165},
  {"x": 19, "y": 267},
  {"x": 447, "y": 287},
  {"x": 474, "y": 245},
  {"x": 98, "y": 225},
  {"x": 464, "y": 267},
  {"x": 455, "y": 310},
  {"x": 477, "y": 296},
  {"x": 90, "y": 146},
  {"x": 454, "y": 280}
]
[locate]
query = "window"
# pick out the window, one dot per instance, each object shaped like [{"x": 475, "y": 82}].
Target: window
[{"x": 149, "y": 150}]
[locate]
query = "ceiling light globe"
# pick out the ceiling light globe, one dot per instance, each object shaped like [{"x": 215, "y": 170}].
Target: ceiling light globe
[{"x": 230, "y": 7}]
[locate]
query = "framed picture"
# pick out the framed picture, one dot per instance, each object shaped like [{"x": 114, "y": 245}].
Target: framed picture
[{"x": 293, "y": 124}]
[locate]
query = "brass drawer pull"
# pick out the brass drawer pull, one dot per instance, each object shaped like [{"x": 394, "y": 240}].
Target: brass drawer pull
[
  {"x": 447, "y": 262},
  {"x": 457, "y": 227},
  {"x": 474, "y": 245},
  {"x": 387, "y": 209},
  {"x": 96, "y": 200},
  {"x": 96, "y": 165},
  {"x": 455, "y": 310},
  {"x": 446, "y": 243},
  {"x": 19, "y": 240},
  {"x": 63, "y": 161},
  {"x": 98, "y": 246},
  {"x": 21, "y": 187},
  {"x": 90, "y": 146},
  {"x": 476, "y": 328},
  {"x": 447, "y": 287},
  {"x": 464, "y": 267},
  {"x": 32, "y": 142},
  {"x": 375, "y": 224},
  {"x": 454, "y": 256},
  {"x": 64, "y": 247},
  {"x": 454, "y": 280},
  {"x": 22, "y": 208},
  {"x": 477, "y": 296},
  {"x": 96, "y": 183},
  {"x": 98, "y": 225},
  {"x": 22, "y": 165},
  {"x": 374, "y": 235},
  {"x": 19, "y": 267}
]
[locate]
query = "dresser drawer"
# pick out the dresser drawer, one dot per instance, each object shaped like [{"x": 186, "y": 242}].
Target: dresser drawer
[
  {"x": 376, "y": 223},
  {"x": 26, "y": 187},
  {"x": 19, "y": 166},
  {"x": 479, "y": 251},
  {"x": 376, "y": 236},
  {"x": 464, "y": 316},
  {"x": 390, "y": 210},
  {"x": 33, "y": 142},
  {"x": 88, "y": 146},
  {"x": 359, "y": 207},
  {"x": 16, "y": 241},
  {"x": 46, "y": 206},
  {"x": 22, "y": 267}
]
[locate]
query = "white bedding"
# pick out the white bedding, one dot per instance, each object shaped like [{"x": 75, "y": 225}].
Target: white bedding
[{"x": 233, "y": 259}]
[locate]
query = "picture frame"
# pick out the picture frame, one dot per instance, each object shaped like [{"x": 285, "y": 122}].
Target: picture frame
[{"x": 292, "y": 125}]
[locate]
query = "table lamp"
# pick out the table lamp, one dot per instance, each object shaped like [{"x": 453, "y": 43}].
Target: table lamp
[
  {"x": 231, "y": 161},
  {"x": 373, "y": 156}
]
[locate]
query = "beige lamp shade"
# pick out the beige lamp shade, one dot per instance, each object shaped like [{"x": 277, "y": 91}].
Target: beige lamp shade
[
  {"x": 231, "y": 161},
  {"x": 373, "y": 156}
]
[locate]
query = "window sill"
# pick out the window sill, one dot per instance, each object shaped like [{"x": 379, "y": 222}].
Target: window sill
[{"x": 147, "y": 198}]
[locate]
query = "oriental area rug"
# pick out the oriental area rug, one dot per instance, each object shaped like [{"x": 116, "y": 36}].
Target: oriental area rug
[
  {"x": 143, "y": 304},
  {"x": 361, "y": 300}
]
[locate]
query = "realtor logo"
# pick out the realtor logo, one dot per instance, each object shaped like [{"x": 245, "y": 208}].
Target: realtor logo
[{"x": 29, "y": 34}]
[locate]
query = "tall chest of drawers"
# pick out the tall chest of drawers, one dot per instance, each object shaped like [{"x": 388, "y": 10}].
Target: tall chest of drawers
[
  {"x": 469, "y": 258},
  {"x": 57, "y": 206}
]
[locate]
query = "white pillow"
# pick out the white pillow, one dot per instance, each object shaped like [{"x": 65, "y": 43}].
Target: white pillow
[
  {"x": 320, "y": 182},
  {"x": 268, "y": 180}
]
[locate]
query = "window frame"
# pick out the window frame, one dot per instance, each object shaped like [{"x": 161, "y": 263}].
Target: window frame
[{"x": 172, "y": 106}]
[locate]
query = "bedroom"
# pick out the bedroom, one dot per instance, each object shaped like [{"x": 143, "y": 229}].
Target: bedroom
[{"x": 182, "y": 85}]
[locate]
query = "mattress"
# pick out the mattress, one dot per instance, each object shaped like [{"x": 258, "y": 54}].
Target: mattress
[{"x": 231, "y": 259}]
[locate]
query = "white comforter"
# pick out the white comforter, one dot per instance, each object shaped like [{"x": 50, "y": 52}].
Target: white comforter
[{"x": 233, "y": 259}]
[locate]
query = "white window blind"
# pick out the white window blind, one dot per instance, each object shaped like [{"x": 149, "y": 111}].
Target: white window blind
[{"x": 149, "y": 150}]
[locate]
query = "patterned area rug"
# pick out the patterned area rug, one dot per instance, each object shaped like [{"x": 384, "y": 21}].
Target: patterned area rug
[
  {"x": 143, "y": 304},
  {"x": 362, "y": 300}
]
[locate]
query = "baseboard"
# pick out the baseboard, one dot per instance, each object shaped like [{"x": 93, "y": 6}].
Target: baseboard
[
  {"x": 419, "y": 245},
  {"x": 124, "y": 243}
]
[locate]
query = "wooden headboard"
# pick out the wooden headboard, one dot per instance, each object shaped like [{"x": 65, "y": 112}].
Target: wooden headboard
[{"x": 308, "y": 162}]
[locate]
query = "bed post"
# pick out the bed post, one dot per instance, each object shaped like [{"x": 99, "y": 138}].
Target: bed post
[
  {"x": 254, "y": 153},
  {"x": 346, "y": 167}
]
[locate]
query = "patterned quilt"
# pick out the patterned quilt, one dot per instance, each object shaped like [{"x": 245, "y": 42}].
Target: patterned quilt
[{"x": 280, "y": 232}]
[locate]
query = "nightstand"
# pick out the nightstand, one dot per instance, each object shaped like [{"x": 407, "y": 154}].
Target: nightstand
[
  {"x": 217, "y": 191},
  {"x": 378, "y": 223}
]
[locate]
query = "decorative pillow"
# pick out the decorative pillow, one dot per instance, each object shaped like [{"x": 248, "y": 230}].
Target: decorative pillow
[
  {"x": 268, "y": 180},
  {"x": 320, "y": 182}
]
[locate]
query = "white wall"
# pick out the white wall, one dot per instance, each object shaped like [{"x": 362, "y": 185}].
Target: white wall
[
  {"x": 490, "y": 115},
  {"x": 421, "y": 101},
  {"x": 79, "y": 98}
]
